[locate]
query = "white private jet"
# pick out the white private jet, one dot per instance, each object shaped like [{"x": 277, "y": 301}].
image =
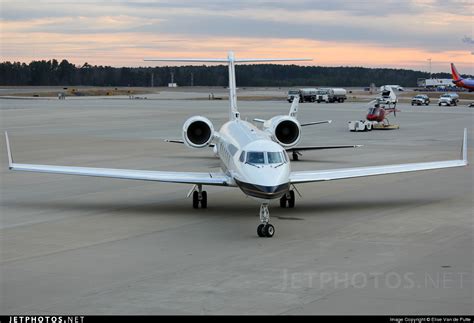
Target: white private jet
[{"x": 253, "y": 159}]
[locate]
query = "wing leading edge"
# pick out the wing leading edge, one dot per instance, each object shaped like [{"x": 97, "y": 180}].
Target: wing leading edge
[
  {"x": 219, "y": 179},
  {"x": 344, "y": 173}
]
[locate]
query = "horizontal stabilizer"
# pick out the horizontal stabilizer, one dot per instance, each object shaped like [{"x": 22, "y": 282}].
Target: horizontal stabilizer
[
  {"x": 225, "y": 60},
  {"x": 179, "y": 141},
  {"x": 315, "y": 122}
]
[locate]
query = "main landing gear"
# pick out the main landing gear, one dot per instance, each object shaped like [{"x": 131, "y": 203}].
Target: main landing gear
[
  {"x": 199, "y": 197},
  {"x": 288, "y": 198},
  {"x": 296, "y": 155}
]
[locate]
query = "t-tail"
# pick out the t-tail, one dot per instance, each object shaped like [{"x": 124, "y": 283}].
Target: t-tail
[
  {"x": 454, "y": 72},
  {"x": 231, "y": 61}
]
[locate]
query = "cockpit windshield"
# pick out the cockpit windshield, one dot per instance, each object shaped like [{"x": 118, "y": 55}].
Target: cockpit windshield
[
  {"x": 261, "y": 157},
  {"x": 274, "y": 157},
  {"x": 255, "y": 157},
  {"x": 372, "y": 110}
]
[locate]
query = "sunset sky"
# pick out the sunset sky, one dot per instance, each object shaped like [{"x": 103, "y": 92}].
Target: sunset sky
[{"x": 401, "y": 34}]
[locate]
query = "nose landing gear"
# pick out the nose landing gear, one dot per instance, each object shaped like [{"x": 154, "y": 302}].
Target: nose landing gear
[{"x": 265, "y": 229}]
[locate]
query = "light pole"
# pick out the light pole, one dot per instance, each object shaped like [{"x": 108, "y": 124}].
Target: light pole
[{"x": 429, "y": 60}]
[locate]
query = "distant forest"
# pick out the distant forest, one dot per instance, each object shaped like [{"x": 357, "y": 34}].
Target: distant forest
[{"x": 53, "y": 72}]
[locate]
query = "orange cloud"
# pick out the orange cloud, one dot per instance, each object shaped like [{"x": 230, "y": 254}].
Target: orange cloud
[{"x": 127, "y": 49}]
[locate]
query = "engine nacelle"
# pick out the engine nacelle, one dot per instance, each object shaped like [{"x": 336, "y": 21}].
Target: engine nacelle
[
  {"x": 284, "y": 129},
  {"x": 198, "y": 132}
]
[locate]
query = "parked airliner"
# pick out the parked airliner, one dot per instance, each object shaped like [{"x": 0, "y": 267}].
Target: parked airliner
[
  {"x": 461, "y": 82},
  {"x": 254, "y": 159}
]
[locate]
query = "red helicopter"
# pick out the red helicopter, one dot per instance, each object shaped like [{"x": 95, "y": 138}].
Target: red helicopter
[{"x": 379, "y": 112}]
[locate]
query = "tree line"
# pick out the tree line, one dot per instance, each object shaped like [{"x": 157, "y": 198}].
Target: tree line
[{"x": 53, "y": 72}]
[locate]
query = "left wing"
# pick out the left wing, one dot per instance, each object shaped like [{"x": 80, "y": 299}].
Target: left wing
[
  {"x": 219, "y": 179},
  {"x": 344, "y": 173}
]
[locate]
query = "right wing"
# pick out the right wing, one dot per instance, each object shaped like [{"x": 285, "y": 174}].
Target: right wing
[
  {"x": 344, "y": 173},
  {"x": 219, "y": 179}
]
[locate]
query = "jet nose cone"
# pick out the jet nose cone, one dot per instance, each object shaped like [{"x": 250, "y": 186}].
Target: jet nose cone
[{"x": 263, "y": 191}]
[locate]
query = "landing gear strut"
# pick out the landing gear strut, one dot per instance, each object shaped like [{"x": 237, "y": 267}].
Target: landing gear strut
[
  {"x": 199, "y": 196},
  {"x": 288, "y": 198},
  {"x": 296, "y": 155},
  {"x": 265, "y": 229}
]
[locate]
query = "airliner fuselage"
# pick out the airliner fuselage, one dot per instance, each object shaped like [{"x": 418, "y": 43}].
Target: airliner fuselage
[{"x": 259, "y": 166}]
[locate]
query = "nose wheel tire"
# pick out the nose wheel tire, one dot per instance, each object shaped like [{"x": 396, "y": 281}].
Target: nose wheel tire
[
  {"x": 265, "y": 230},
  {"x": 260, "y": 230},
  {"x": 269, "y": 230}
]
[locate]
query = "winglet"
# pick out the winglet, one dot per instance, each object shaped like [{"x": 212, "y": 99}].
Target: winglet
[
  {"x": 464, "y": 148},
  {"x": 9, "y": 152}
]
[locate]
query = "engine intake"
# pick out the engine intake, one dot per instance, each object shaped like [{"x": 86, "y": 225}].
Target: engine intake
[
  {"x": 285, "y": 130},
  {"x": 198, "y": 132}
]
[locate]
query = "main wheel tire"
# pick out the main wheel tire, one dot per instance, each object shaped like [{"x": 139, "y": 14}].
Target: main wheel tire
[
  {"x": 269, "y": 230},
  {"x": 291, "y": 200},
  {"x": 204, "y": 200},
  {"x": 260, "y": 232},
  {"x": 195, "y": 200},
  {"x": 283, "y": 201}
]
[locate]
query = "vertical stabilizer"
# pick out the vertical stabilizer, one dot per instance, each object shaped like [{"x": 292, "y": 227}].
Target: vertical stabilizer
[
  {"x": 455, "y": 74},
  {"x": 230, "y": 60},
  {"x": 233, "y": 111}
]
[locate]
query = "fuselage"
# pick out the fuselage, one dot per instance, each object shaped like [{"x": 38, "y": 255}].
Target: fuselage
[
  {"x": 259, "y": 166},
  {"x": 465, "y": 83},
  {"x": 459, "y": 81}
]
